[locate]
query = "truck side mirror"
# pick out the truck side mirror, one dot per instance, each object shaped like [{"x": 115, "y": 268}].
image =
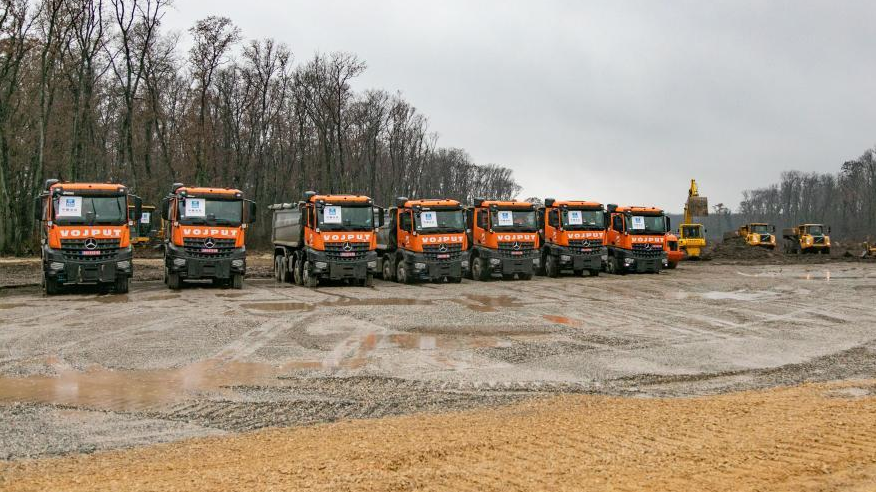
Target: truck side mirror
[
  {"x": 251, "y": 212},
  {"x": 165, "y": 208},
  {"x": 668, "y": 223},
  {"x": 379, "y": 213},
  {"x": 138, "y": 207},
  {"x": 773, "y": 228},
  {"x": 828, "y": 229},
  {"x": 38, "y": 208}
]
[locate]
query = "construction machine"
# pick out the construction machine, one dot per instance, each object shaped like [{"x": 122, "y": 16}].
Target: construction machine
[
  {"x": 423, "y": 240},
  {"x": 326, "y": 237},
  {"x": 691, "y": 236},
  {"x": 85, "y": 235},
  {"x": 754, "y": 234},
  {"x": 807, "y": 238},
  {"x": 572, "y": 235},
  {"x": 504, "y": 239},
  {"x": 144, "y": 228},
  {"x": 204, "y": 235},
  {"x": 635, "y": 239}
]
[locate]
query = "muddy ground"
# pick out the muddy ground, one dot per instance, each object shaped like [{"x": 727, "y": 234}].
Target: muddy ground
[{"x": 87, "y": 371}]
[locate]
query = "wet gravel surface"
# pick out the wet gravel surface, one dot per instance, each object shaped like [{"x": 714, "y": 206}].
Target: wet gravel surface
[{"x": 87, "y": 371}]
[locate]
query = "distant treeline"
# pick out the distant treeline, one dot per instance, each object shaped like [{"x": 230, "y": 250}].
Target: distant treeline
[{"x": 95, "y": 90}]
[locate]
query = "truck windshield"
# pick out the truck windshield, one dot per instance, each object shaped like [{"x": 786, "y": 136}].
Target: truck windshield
[
  {"x": 579, "y": 220},
  {"x": 429, "y": 221},
  {"x": 210, "y": 211},
  {"x": 513, "y": 220},
  {"x": 90, "y": 210},
  {"x": 692, "y": 232},
  {"x": 760, "y": 229},
  {"x": 816, "y": 230},
  {"x": 647, "y": 224},
  {"x": 338, "y": 218}
]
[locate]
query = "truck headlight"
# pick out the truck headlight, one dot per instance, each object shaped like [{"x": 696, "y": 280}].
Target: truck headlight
[
  {"x": 565, "y": 258},
  {"x": 319, "y": 265},
  {"x": 56, "y": 265},
  {"x": 123, "y": 265},
  {"x": 665, "y": 262},
  {"x": 237, "y": 263},
  {"x": 604, "y": 257},
  {"x": 495, "y": 261},
  {"x": 179, "y": 262},
  {"x": 536, "y": 261},
  {"x": 372, "y": 264},
  {"x": 464, "y": 263},
  {"x": 419, "y": 266},
  {"x": 629, "y": 261}
]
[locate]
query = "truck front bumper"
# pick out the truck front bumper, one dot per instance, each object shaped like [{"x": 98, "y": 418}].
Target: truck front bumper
[
  {"x": 192, "y": 267},
  {"x": 575, "y": 259},
  {"x": 66, "y": 270},
  {"x": 498, "y": 263},
  {"x": 634, "y": 262},
  {"x": 421, "y": 268},
  {"x": 332, "y": 269}
]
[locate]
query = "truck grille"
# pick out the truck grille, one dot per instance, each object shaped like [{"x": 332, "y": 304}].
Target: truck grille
[
  {"x": 89, "y": 249},
  {"x": 585, "y": 243},
  {"x": 346, "y": 251},
  {"x": 521, "y": 249},
  {"x": 199, "y": 247},
  {"x": 647, "y": 249},
  {"x": 818, "y": 239},
  {"x": 451, "y": 252},
  {"x": 764, "y": 238}
]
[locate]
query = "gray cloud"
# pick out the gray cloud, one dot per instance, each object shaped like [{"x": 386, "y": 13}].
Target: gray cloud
[{"x": 616, "y": 101}]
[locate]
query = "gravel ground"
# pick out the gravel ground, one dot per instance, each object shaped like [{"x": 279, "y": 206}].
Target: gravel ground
[{"x": 86, "y": 371}]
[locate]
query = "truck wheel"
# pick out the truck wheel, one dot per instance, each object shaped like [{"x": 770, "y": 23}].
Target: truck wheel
[
  {"x": 539, "y": 270},
  {"x": 237, "y": 281},
  {"x": 525, "y": 276},
  {"x": 368, "y": 281},
  {"x": 401, "y": 273},
  {"x": 296, "y": 271},
  {"x": 121, "y": 286},
  {"x": 51, "y": 286},
  {"x": 173, "y": 281},
  {"x": 826, "y": 251},
  {"x": 278, "y": 268},
  {"x": 454, "y": 280},
  {"x": 594, "y": 272},
  {"x": 388, "y": 268},
  {"x": 478, "y": 270},
  {"x": 307, "y": 277},
  {"x": 286, "y": 273},
  {"x": 551, "y": 267}
]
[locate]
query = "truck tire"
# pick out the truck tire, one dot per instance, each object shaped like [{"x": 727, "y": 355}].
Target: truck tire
[
  {"x": 594, "y": 272},
  {"x": 368, "y": 281},
  {"x": 388, "y": 268},
  {"x": 478, "y": 271},
  {"x": 297, "y": 269},
  {"x": 173, "y": 281},
  {"x": 237, "y": 281},
  {"x": 278, "y": 268},
  {"x": 826, "y": 251},
  {"x": 51, "y": 286},
  {"x": 307, "y": 278},
  {"x": 551, "y": 268},
  {"x": 539, "y": 270},
  {"x": 286, "y": 276},
  {"x": 402, "y": 274},
  {"x": 454, "y": 280},
  {"x": 525, "y": 276},
  {"x": 121, "y": 286}
]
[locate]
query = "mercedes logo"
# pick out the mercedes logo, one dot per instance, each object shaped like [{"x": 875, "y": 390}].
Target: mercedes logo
[
  {"x": 90, "y": 243},
  {"x": 516, "y": 246},
  {"x": 585, "y": 244},
  {"x": 442, "y": 248},
  {"x": 348, "y": 247},
  {"x": 647, "y": 246},
  {"x": 209, "y": 242}
]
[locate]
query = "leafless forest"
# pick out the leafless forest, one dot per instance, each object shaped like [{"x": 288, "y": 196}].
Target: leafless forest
[{"x": 97, "y": 90}]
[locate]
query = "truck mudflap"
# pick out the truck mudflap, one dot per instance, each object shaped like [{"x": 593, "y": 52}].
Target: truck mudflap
[
  {"x": 422, "y": 268},
  {"x": 331, "y": 269},
  {"x": 192, "y": 267},
  {"x": 67, "y": 271}
]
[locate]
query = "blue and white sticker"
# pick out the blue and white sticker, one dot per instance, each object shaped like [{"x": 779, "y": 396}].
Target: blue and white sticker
[
  {"x": 638, "y": 223},
  {"x": 145, "y": 217},
  {"x": 506, "y": 218},
  {"x": 70, "y": 206},
  {"x": 575, "y": 217},
  {"x": 332, "y": 215},
  {"x": 196, "y": 207},
  {"x": 429, "y": 219}
]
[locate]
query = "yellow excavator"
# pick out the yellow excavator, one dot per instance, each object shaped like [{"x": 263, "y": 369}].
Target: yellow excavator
[{"x": 691, "y": 236}]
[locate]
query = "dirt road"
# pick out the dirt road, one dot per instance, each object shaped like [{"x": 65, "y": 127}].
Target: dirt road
[{"x": 816, "y": 437}]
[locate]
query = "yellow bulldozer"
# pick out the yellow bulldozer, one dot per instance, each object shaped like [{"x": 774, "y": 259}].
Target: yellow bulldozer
[
  {"x": 754, "y": 234},
  {"x": 691, "y": 236}
]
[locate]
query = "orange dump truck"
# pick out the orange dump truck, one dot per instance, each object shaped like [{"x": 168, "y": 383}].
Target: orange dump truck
[
  {"x": 634, "y": 238},
  {"x": 85, "y": 235},
  {"x": 504, "y": 239},
  {"x": 572, "y": 234},
  {"x": 205, "y": 235},
  {"x": 423, "y": 240},
  {"x": 326, "y": 237}
]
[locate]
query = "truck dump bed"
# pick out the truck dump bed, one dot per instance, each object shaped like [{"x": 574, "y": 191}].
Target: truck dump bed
[
  {"x": 286, "y": 224},
  {"x": 790, "y": 233}
]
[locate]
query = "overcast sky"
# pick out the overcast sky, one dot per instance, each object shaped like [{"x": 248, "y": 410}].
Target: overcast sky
[{"x": 618, "y": 101}]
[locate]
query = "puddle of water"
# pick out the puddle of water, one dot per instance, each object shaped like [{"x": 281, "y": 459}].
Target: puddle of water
[
  {"x": 278, "y": 306},
  {"x": 563, "y": 320},
  {"x": 739, "y": 295},
  {"x": 489, "y": 304},
  {"x": 343, "y": 302},
  {"x": 231, "y": 295},
  {"x": 163, "y": 297},
  {"x": 112, "y": 299},
  {"x": 12, "y": 305}
]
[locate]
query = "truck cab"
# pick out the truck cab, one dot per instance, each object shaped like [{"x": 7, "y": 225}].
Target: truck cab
[
  {"x": 326, "y": 237},
  {"x": 205, "y": 235},
  {"x": 758, "y": 234},
  {"x": 807, "y": 238},
  {"x": 635, "y": 239},
  {"x": 572, "y": 234},
  {"x": 423, "y": 240},
  {"x": 504, "y": 239},
  {"x": 85, "y": 235},
  {"x": 691, "y": 240}
]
